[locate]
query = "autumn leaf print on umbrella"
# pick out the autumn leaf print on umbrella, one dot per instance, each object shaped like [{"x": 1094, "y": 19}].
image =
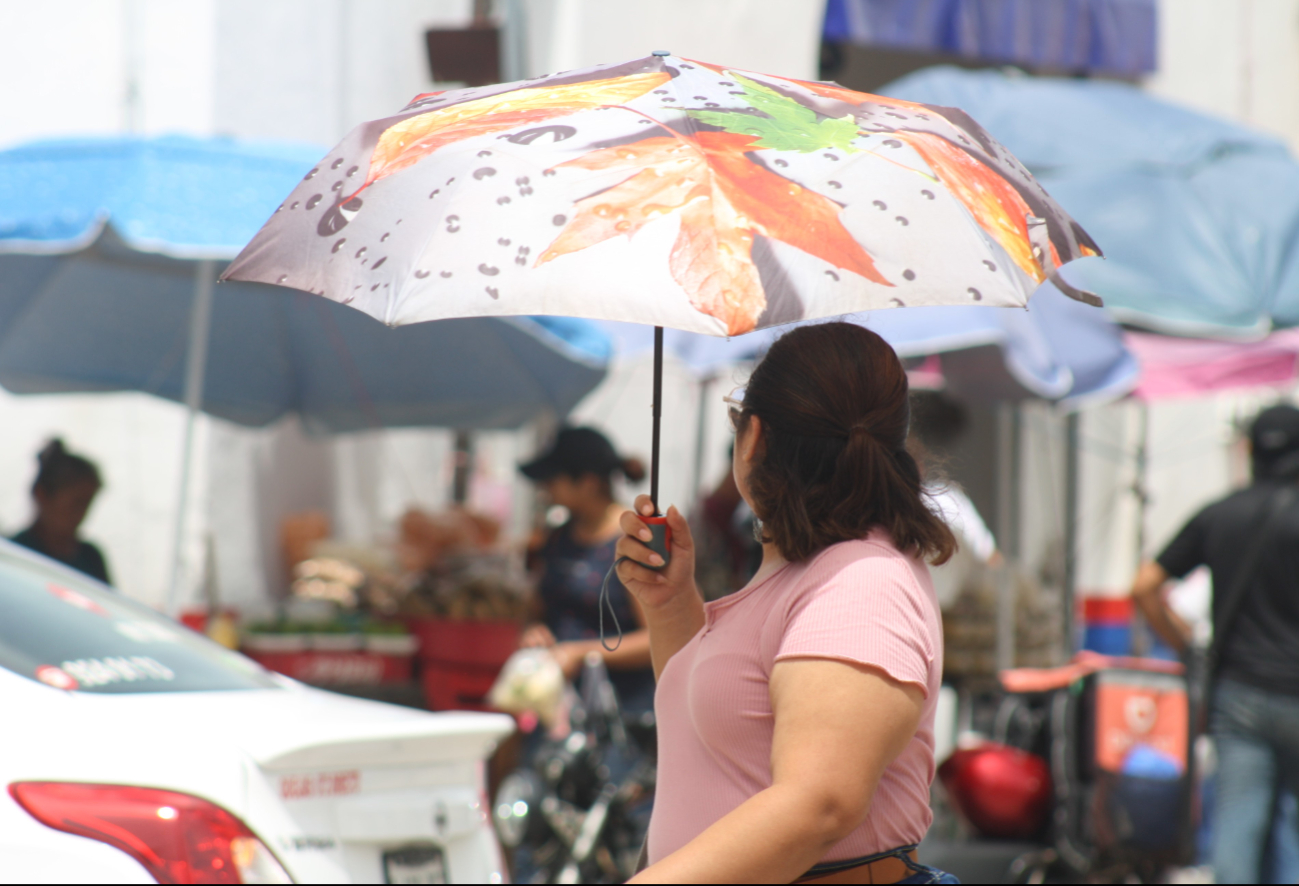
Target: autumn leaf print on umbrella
[{"x": 668, "y": 192}]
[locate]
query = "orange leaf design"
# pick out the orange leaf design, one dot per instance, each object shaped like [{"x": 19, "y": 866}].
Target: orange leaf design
[
  {"x": 407, "y": 142},
  {"x": 853, "y": 97},
  {"x": 995, "y": 204},
  {"x": 725, "y": 200}
]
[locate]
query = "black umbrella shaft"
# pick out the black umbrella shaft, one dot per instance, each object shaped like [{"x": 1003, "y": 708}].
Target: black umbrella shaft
[{"x": 658, "y": 416}]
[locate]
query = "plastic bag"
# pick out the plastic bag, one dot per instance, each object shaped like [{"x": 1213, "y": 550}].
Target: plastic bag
[{"x": 530, "y": 682}]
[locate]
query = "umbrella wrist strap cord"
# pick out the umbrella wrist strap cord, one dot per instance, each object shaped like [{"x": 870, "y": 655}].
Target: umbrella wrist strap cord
[{"x": 605, "y": 603}]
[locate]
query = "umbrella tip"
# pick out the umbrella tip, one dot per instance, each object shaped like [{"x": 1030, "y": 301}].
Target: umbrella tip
[{"x": 661, "y": 53}]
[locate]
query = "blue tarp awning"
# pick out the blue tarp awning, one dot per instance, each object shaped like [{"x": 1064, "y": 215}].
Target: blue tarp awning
[
  {"x": 1114, "y": 37},
  {"x": 101, "y": 244},
  {"x": 1198, "y": 217}
]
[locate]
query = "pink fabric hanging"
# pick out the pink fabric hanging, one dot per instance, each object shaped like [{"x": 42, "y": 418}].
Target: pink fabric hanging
[{"x": 1185, "y": 367}]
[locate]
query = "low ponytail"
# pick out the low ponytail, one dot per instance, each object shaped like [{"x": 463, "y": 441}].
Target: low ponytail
[
  {"x": 633, "y": 469},
  {"x": 833, "y": 402}
]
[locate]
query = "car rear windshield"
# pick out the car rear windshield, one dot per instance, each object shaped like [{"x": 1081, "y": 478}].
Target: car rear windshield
[{"x": 72, "y": 633}]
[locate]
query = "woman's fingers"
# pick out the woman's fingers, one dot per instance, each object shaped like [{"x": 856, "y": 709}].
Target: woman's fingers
[
  {"x": 630, "y": 571},
  {"x": 644, "y": 505},
  {"x": 633, "y": 526},
  {"x": 681, "y": 537},
  {"x": 634, "y": 550}
]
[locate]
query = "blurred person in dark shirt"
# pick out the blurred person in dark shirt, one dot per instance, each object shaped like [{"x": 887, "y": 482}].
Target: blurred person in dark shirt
[
  {"x": 65, "y": 487},
  {"x": 1255, "y": 713},
  {"x": 577, "y": 473}
]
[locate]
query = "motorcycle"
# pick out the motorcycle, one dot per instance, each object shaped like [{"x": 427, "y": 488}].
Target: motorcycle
[{"x": 577, "y": 811}]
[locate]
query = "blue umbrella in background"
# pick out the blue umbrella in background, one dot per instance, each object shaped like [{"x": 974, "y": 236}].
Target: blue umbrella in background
[
  {"x": 1199, "y": 217},
  {"x": 109, "y": 251},
  {"x": 1055, "y": 349}
]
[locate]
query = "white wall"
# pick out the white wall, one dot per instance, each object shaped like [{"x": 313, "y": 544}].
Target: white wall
[
  {"x": 771, "y": 36},
  {"x": 1234, "y": 58}
]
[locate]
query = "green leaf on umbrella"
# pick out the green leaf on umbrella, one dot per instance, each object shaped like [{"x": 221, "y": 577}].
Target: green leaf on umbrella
[{"x": 784, "y": 124}]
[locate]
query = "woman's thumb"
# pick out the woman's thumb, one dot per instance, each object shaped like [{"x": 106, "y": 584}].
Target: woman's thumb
[{"x": 681, "y": 537}]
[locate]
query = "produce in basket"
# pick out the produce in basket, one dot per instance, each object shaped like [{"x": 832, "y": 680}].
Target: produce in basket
[{"x": 530, "y": 682}]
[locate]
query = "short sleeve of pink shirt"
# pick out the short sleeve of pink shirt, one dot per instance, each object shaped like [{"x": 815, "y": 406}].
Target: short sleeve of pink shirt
[
  {"x": 862, "y": 602},
  {"x": 870, "y": 611}
]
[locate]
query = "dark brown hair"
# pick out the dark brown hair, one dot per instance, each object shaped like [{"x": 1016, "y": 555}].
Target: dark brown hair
[
  {"x": 834, "y": 465},
  {"x": 60, "y": 469}
]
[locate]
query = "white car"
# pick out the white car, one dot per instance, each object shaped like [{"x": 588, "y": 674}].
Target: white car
[{"x": 133, "y": 750}]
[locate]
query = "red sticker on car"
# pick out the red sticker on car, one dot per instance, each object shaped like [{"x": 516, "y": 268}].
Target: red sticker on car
[
  {"x": 56, "y": 677},
  {"x": 79, "y": 600}
]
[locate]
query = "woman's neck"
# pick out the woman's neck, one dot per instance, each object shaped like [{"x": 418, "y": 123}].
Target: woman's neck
[
  {"x": 597, "y": 522},
  {"x": 772, "y": 560},
  {"x": 56, "y": 544}
]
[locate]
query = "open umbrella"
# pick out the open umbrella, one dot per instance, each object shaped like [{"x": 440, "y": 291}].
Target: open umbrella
[{"x": 667, "y": 192}]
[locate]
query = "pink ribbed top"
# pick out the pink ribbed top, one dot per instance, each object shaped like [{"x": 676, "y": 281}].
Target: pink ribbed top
[{"x": 857, "y": 601}]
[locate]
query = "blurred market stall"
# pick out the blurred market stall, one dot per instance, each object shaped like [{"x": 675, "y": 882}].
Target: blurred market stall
[{"x": 109, "y": 251}]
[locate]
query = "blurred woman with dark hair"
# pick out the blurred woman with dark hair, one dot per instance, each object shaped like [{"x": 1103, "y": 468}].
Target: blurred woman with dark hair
[
  {"x": 577, "y": 473},
  {"x": 65, "y": 488},
  {"x": 796, "y": 716}
]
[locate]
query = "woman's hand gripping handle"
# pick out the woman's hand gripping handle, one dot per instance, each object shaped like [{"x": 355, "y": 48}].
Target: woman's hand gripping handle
[{"x": 666, "y": 591}]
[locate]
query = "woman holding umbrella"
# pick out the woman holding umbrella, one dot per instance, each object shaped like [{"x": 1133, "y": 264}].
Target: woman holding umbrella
[{"x": 796, "y": 715}]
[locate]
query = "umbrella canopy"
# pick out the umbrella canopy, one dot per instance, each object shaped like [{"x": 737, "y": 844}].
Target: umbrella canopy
[
  {"x": 123, "y": 225},
  {"x": 668, "y": 192},
  {"x": 1198, "y": 215}
]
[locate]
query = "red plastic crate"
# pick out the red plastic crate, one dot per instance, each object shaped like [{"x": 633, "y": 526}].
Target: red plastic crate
[
  {"x": 1109, "y": 611},
  {"x": 449, "y": 687},
  {"x": 468, "y": 643},
  {"x": 337, "y": 668}
]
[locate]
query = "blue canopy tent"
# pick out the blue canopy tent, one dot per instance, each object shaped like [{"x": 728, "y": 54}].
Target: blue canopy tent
[
  {"x": 1198, "y": 217},
  {"x": 109, "y": 252},
  {"x": 1113, "y": 37},
  {"x": 1055, "y": 349}
]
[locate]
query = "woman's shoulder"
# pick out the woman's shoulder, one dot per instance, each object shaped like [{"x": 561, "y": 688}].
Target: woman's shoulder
[
  {"x": 873, "y": 564},
  {"x": 873, "y": 553}
]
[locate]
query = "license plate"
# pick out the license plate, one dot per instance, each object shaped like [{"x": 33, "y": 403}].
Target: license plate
[{"x": 421, "y": 864}]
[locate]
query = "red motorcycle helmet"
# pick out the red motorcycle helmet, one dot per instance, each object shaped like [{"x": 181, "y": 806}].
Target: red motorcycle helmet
[{"x": 1003, "y": 792}]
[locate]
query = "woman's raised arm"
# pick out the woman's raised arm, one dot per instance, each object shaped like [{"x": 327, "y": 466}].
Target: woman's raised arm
[
  {"x": 838, "y": 726},
  {"x": 670, "y": 600}
]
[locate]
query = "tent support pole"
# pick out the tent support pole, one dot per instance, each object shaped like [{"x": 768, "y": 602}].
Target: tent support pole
[
  {"x": 1008, "y": 461},
  {"x": 200, "y": 322},
  {"x": 658, "y": 415},
  {"x": 1072, "y": 496}
]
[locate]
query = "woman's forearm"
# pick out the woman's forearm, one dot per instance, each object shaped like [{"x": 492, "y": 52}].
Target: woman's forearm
[
  {"x": 773, "y": 837},
  {"x": 671, "y": 626},
  {"x": 632, "y": 652}
]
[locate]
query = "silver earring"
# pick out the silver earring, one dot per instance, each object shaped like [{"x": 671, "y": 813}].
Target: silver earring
[{"x": 758, "y": 535}]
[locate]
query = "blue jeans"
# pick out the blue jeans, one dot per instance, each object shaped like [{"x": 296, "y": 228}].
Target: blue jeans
[{"x": 1257, "y": 736}]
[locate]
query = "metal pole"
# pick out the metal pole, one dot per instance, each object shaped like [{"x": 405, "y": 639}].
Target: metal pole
[
  {"x": 1141, "y": 489},
  {"x": 1006, "y": 464},
  {"x": 701, "y": 438},
  {"x": 200, "y": 322},
  {"x": 463, "y": 467},
  {"x": 658, "y": 414},
  {"x": 1072, "y": 495}
]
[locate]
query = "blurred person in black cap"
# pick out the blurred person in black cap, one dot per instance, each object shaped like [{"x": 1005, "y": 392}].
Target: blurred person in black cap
[
  {"x": 1250, "y": 542},
  {"x": 65, "y": 488},
  {"x": 577, "y": 473}
]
